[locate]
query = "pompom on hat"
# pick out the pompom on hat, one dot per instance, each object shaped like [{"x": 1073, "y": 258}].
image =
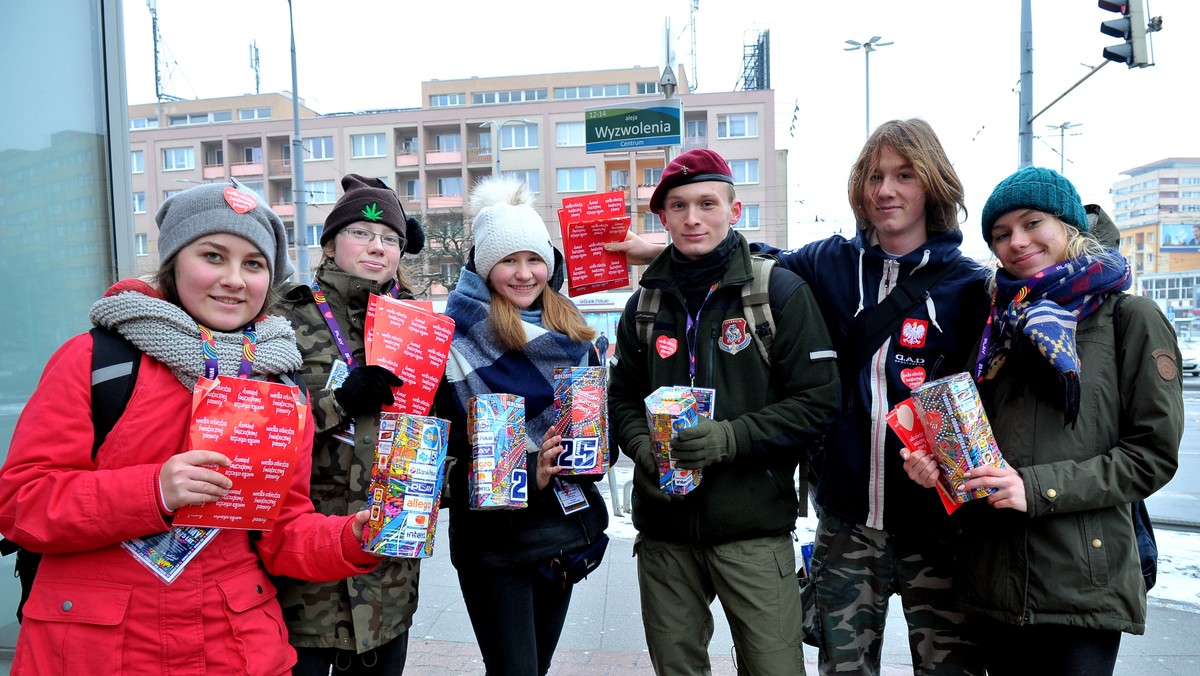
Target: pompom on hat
[
  {"x": 371, "y": 200},
  {"x": 1035, "y": 188},
  {"x": 223, "y": 208},
  {"x": 505, "y": 223},
  {"x": 694, "y": 166}
]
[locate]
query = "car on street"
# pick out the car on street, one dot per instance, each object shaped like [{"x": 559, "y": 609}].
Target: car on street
[{"x": 1191, "y": 357}]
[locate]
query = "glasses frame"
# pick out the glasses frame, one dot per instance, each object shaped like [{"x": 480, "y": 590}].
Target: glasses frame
[{"x": 356, "y": 234}]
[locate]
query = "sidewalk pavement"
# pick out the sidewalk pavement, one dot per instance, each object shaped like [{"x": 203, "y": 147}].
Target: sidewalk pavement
[{"x": 603, "y": 633}]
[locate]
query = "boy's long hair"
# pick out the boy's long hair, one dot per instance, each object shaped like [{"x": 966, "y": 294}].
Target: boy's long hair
[
  {"x": 558, "y": 314},
  {"x": 915, "y": 141}
]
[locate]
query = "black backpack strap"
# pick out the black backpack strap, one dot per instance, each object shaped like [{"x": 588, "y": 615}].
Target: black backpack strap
[
  {"x": 872, "y": 327},
  {"x": 114, "y": 373}
]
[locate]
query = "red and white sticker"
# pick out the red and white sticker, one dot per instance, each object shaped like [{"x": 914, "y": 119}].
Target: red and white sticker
[
  {"x": 666, "y": 346},
  {"x": 239, "y": 201},
  {"x": 912, "y": 377},
  {"x": 912, "y": 332}
]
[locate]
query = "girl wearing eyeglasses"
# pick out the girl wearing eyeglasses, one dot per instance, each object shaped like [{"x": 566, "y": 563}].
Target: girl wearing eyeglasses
[{"x": 356, "y": 626}]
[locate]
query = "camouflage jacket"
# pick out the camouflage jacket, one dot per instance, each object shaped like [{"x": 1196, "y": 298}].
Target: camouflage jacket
[{"x": 365, "y": 611}]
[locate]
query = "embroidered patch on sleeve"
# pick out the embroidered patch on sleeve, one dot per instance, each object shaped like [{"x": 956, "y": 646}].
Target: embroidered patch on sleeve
[{"x": 1164, "y": 360}]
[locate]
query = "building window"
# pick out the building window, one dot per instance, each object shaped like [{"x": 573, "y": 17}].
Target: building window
[
  {"x": 178, "y": 159},
  {"x": 199, "y": 118},
  {"x": 618, "y": 179},
  {"x": 450, "y": 186},
  {"x": 367, "y": 145},
  {"x": 695, "y": 129},
  {"x": 651, "y": 222},
  {"x": 514, "y": 96},
  {"x": 518, "y": 136},
  {"x": 651, "y": 176},
  {"x": 570, "y": 134},
  {"x": 577, "y": 179},
  {"x": 409, "y": 145},
  {"x": 531, "y": 177},
  {"x": 254, "y": 114},
  {"x": 749, "y": 219},
  {"x": 737, "y": 125},
  {"x": 647, "y": 88},
  {"x": 254, "y": 186},
  {"x": 314, "y": 232},
  {"x": 137, "y": 161},
  {"x": 319, "y": 148},
  {"x": 445, "y": 100},
  {"x": 447, "y": 142},
  {"x": 143, "y": 123},
  {"x": 320, "y": 192},
  {"x": 591, "y": 91},
  {"x": 142, "y": 243},
  {"x": 744, "y": 171},
  {"x": 139, "y": 202},
  {"x": 214, "y": 157},
  {"x": 252, "y": 155},
  {"x": 168, "y": 194},
  {"x": 412, "y": 190}
]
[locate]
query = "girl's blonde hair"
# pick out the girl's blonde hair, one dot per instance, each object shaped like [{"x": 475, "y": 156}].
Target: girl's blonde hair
[{"x": 558, "y": 314}]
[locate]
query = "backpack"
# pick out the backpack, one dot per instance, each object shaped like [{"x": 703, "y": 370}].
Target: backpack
[
  {"x": 114, "y": 372},
  {"x": 1146, "y": 543},
  {"x": 756, "y": 307}
]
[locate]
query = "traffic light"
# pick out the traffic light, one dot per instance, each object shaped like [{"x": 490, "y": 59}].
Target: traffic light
[{"x": 1131, "y": 27}]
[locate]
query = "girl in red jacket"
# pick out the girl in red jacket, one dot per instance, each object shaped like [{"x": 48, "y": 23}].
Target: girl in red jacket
[{"x": 96, "y": 607}]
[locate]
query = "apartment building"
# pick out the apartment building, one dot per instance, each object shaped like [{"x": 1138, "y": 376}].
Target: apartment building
[
  {"x": 528, "y": 125},
  {"x": 1157, "y": 209}
]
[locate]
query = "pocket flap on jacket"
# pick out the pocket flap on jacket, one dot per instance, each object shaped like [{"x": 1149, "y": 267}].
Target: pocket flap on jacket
[
  {"x": 85, "y": 602},
  {"x": 243, "y": 592}
]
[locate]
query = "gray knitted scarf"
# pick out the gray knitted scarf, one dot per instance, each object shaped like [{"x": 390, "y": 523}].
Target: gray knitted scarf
[{"x": 167, "y": 333}]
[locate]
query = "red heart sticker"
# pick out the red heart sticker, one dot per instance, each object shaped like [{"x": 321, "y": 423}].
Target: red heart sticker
[
  {"x": 239, "y": 201},
  {"x": 666, "y": 346},
  {"x": 912, "y": 377}
]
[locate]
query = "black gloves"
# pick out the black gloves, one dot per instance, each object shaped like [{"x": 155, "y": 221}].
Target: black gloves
[
  {"x": 366, "y": 390},
  {"x": 706, "y": 443}
]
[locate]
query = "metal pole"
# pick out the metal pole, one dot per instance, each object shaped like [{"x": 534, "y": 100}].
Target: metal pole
[
  {"x": 867, "y": 51},
  {"x": 1062, "y": 149},
  {"x": 299, "y": 195},
  {"x": 1025, "y": 123}
]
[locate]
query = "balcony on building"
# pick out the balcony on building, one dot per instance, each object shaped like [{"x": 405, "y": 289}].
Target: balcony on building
[
  {"x": 444, "y": 144},
  {"x": 479, "y": 155},
  {"x": 248, "y": 158},
  {"x": 408, "y": 151}
]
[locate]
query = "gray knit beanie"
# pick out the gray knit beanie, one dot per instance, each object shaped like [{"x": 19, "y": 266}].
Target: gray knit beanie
[
  {"x": 505, "y": 223},
  {"x": 1035, "y": 188},
  {"x": 223, "y": 207}
]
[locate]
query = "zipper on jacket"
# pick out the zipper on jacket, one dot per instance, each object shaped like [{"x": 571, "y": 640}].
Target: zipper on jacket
[{"x": 714, "y": 333}]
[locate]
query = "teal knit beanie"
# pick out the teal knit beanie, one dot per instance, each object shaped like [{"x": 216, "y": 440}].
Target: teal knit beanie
[{"x": 1035, "y": 188}]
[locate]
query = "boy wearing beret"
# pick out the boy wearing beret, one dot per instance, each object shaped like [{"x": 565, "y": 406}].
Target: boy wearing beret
[{"x": 731, "y": 537}]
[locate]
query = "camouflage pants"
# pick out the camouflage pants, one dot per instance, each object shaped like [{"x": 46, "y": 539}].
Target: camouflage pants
[{"x": 855, "y": 572}]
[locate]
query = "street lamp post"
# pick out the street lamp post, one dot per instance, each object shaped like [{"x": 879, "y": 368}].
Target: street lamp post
[
  {"x": 299, "y": 194},
  {"x": 867, "y": 47},
  {"x": 1062, "y": 142},
  {"x": 496, "y": 126}
]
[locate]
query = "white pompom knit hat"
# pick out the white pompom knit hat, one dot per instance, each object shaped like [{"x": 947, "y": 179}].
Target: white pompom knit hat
[{"x": 505, "y": 223}]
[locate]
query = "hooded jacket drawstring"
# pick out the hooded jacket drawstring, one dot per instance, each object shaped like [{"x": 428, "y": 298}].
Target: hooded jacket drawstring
[
  {"x": 862, "y": 253},
  {"x": 929, "y": 307}
]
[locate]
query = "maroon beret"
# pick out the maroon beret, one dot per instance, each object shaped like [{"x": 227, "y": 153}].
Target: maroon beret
[{"x": 693, "y": 166}]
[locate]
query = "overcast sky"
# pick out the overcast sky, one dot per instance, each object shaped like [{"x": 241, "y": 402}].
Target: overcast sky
[{"x": 954, "y": 63}]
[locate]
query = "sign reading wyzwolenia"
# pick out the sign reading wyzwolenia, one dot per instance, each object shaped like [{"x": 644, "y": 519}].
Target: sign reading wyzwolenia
[{"x": 634, "y": 124}]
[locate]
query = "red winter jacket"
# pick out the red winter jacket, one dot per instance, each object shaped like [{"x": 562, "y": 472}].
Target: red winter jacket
[{"x": 94, "y": 609}]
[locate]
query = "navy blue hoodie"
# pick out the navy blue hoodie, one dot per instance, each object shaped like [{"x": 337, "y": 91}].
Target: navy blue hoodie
[{"x": 858, "y": 474}]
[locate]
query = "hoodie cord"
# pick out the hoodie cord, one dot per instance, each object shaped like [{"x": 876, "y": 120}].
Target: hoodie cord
[
  {"x": 928, "y": 297},
  {"x": 861, "y": 255}
]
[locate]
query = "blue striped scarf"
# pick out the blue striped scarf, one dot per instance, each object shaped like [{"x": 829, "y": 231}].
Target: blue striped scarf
[
  {"x": 478, "y": 365},
  {"x": 1046, "y": 309}
]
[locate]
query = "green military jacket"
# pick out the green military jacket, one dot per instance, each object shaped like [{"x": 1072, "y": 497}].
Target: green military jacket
[
  {"x": 1072, "y": 558},
  {"x": 362, "y": 612}
]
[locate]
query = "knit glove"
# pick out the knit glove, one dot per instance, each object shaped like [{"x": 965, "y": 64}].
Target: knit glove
[
  {"x": 707, "y": 443},
  {"x": 645, "y": 470},
  {"x": 366, "y": 390}
]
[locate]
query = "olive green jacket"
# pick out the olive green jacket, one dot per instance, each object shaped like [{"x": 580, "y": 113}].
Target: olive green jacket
[{"x": 365, "y": 611}]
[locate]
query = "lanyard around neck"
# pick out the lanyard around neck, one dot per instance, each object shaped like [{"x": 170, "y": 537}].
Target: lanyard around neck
[
  {"x": 208, "y": 346},
  {"x": 334, "y": 329}
]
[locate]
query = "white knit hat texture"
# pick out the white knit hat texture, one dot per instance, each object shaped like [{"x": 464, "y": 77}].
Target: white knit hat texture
[{"x": 505, "y": 223}]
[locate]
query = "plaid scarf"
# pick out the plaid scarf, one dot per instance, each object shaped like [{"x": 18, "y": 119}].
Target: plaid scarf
[
  {"x": 478, "y": 365},
  {"x": 1046, "y": 309}
]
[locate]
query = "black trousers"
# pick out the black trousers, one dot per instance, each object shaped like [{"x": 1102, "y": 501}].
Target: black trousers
[
  {"x": 1012, "y": 650},
  {"x": 517, "y": 615},
  {"x": 386, "y": 660}
]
